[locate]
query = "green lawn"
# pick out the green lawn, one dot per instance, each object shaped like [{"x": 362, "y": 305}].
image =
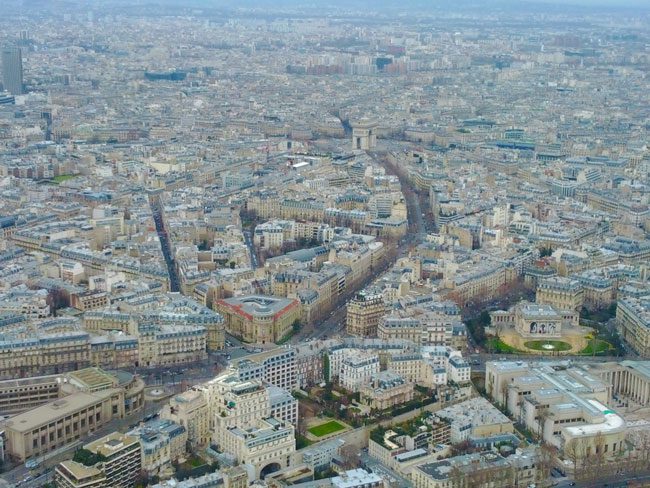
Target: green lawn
[
  {"x": 62, "y": 178},
  {"x": 498, "y": 346},
  {"x": 326, "y": 428},
  {"x": 599, "y": 345},
  {"x": 195, "y": 461},
  {"x": 539, "y": 345}
]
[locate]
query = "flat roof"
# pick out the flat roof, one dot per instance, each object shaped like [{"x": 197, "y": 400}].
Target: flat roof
[
  {"x": 355, "y": 477},
  {"x": 111, "y": 443},
  {"x": 44, "y": 414},
  {"x": 78, "y": 470},
  {"x": 93, "y": 378}
]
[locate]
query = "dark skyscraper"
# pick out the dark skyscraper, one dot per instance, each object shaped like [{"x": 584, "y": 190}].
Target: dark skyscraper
[{"x": 12, "y": 70}]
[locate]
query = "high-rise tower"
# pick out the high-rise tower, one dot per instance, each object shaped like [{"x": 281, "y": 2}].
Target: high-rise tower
[{"x": 12, "y": 70}]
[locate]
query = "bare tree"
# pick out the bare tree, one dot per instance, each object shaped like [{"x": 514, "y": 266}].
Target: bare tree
[
  {"x": 504, "y": 395},
  {"x": 543, "y": 414},
  {"x": 599, "y": 459},
  {"x": 456, "y": 477},
  {"x": 521, "y": 411},
  {"x": 572, "y": 454},
  {"x": 547, "y": 454},
  {"x": 584, "y": 452},
  {"x": 349, "y": 455}
]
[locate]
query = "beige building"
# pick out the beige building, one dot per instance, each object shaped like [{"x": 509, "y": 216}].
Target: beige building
[
  {"x": 190, "y": 409},
  {"x": 358, "y": 259},
  {"x": 477, "y": 470},
  {"x": 407, "y": 328},
  {"x": 534, "y": 320},
  {"x": 89, "y": 398},
  {"x": 629, "y": 379},
  {"x": 357, "y": 368},
  {"x": 20, "y": 395},
  {"x": 163, "y": 442},
  {"x": 93, "y": 380},
  {"x": 475, "y": 418},
  {"x": 482, "y": 282},
  {"x": 423, "y": 326},
  {"x": 113, "y": 351},
  {"x": 61, "y": 422},
  {"x": 122, "y": 454},
  {"x": 276, "y": 366},
  {"x": 70, "y": 474},
  {"x": 364, "y": 312},
  {"x": 386, "y": 390},
  {"x": 564, "y": 406},
  {"x": 633, "y": 323},
  {"x": 561, "y": 293},
  {"x": 171, "y": 344},
  {"x": 89, "y": 300},
  {"x": 235, "y": 477},
  {"x": 260, "y": 319},
  {"x": 44, "y": 354},
  {"x": 234, "y": 403},
  {"x": 267, "y": 446}
]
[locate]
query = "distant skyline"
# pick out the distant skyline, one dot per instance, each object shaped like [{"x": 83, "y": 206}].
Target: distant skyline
[{"x": 643, "y": 4}]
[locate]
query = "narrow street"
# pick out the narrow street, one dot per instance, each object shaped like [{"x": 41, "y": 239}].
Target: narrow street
[{"x": 165, "y": 243}]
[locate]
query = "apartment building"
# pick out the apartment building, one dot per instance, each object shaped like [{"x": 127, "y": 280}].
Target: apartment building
[
  {"x": 89, "y": 300},
  {"x": 561, "y": 293},
  {"x": 114, "y": 350},
  {"x": 633, "y": 323},
  {"x": 162, "y": 442},
  {"x": 234, "y": 403},
  {"x": 476, "y": 470},
  {"x": 309, "y": 366},
  {"x": 385, "y": 390},
  {"x": 283, "y": 405},
  {"x": 357, "y": 370},
  {"x": 483, "y": 281},
  {"x": 190, "y": 410},
  {"x": 364, "y": 312},
  {"x": 459, "y": 370},
  {"x": 122, "y": 459},
  {"x": 415, "y": 369},
  {"x": 599, "y": 290},
  {"x": 275, "y": 366},
  {"x": 320, "y": 457},
  {"x": 474, "y": 418},
  {"x": 164, "y": 345},
  {"x": 70, "y": 474},
  {"x": 424, "y": 327},
  {"x": 23, "y": 301},
  {"x": 43, "y": 354},
  {"x": 272, "y": 234}
]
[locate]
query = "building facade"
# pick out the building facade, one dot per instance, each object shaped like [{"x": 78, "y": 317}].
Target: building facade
[
  {"x": 259, "y": 319},
  {"x": 363, "y": 314}
]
